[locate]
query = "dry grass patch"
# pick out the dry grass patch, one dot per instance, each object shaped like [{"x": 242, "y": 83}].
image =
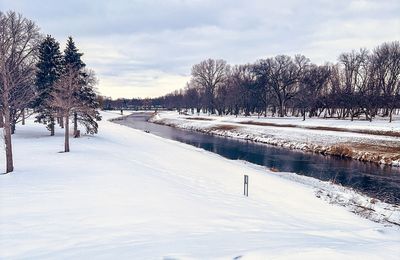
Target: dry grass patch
[
  {"x": 359, "y": 131},
  {"x": 266, "y": 124},
  {"x": 200, "y": 118},
  {"x": 327, "y": 128},
  {"x": 224, "y": 127},
  {"x": 375, "y": 148},
  {"x": 341, "y": 150}
]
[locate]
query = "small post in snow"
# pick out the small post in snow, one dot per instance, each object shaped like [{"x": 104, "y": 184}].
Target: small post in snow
[{"x": 246, "y": 186}]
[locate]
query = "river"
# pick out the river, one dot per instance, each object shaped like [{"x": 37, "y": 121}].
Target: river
[{"x": 382, "y": 182}]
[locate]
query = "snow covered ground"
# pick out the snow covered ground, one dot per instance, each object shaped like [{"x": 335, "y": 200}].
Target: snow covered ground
[
  {"x": 378, "y": 141},
  {"x": 126, "y": 194},
  {"x": 378, "y": 124}
]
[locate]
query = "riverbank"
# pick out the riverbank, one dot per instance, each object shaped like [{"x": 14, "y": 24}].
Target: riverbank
[
  {"x": 377, "y": 142},
  {"x": 128, "y": 194}
]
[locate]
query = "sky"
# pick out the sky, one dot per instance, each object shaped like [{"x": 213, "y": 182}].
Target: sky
[{"x": 147, "y": 48}]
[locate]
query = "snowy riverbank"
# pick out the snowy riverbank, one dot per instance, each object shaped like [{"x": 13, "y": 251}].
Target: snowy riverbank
[
  {"x": 377, "y": 142},
  {"x": 127, "y": 194}
]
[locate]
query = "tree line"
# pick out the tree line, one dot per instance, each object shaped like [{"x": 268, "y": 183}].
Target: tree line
[
  {"x": 362, "y": 84},
  {"x": 37, "y": 79}
]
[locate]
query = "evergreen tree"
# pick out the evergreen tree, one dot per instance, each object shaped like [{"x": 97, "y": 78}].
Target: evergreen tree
[
  {"x": 48, "y": 71},
  {"x": 87, "y": 95},
  {"x": 72, "y": 56},
  {"x": 87, "y": 115}
]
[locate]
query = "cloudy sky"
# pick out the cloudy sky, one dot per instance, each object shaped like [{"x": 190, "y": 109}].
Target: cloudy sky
[{"x": 146, "y": 48}]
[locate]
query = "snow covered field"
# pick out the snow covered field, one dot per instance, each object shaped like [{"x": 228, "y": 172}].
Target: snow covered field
[
  {"x": 378, "y": 141},
  {"x": 126, "y": 194}
]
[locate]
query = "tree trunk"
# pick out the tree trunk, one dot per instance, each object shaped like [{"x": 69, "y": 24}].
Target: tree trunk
[
  {"x": 368, "y": 115},
  {"x": 52, "y": 126},
  {"x": 23, "y": 116},
  {"x": 12, "y": 122},
  {"x": 390, "y": 115},
  {"x": 75, "y": 123},
  {"x": 62, "y": 122},
  {"x": 386, "y": 113},
  {"x": 1, "y": 119},
  {"x": 282, "y": 109},
  {"x": 7, "y": 125},
  {"x": 7, "y": 138},
  {"x": 66, "y": 142}
]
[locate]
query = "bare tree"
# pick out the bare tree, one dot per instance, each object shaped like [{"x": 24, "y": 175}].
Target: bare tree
[
  {"x": 65, "y": 99},
  {"x": 244, "y": 90},
  {"x": 21, "y": 95},
  {"x": 354, "y": 80},
  {"x": 210, "y": 74},
  {"x": 281, "y": 75},
  {"x": 312, "y": 81},
  {"x": 19, "y": 38},
  {"x": 386, "y": 67},
  {"x": 192, "y": 98}
]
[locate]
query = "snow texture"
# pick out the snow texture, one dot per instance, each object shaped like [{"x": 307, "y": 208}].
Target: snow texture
[{"x": 126, "y": 194}]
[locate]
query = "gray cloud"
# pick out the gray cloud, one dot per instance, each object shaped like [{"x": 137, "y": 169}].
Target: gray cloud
[{"x": 146, "y": 48}]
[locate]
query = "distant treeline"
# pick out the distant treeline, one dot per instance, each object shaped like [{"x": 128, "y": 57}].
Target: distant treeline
[{"x": 362, "y": 84}]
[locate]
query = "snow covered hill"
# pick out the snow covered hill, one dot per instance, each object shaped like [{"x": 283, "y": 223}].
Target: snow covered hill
[{"x": 126, "y": 194}]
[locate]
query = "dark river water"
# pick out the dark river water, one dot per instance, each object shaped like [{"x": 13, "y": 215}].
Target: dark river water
[{"x": 382, "y": 182}]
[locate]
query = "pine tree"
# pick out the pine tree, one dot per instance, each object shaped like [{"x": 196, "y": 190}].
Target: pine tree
[
  {"x": 87, "y": 115},
  {"x": 88, "y": 97},
  {"x": 48, "y": 71},
  {"x": 72, "y": 56}
]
